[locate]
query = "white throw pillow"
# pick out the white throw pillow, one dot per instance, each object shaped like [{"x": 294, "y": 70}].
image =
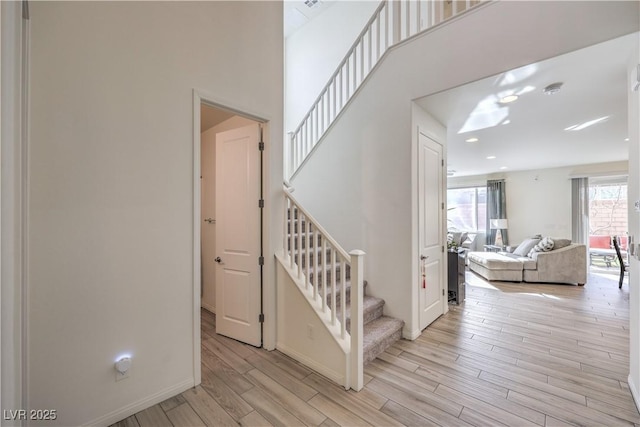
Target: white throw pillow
[
  {"x": 545, "y": 245},
  {"x": 526, "y": 246}
]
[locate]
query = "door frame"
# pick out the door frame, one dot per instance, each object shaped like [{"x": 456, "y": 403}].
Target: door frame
[
  {"x": 423, "y": 123},
  {"x": 421, "y": 132},
  {"x": 200, "y": 97}
]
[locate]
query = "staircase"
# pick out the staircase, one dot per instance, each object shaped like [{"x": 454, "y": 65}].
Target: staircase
[
  {"x": 379, "y": 331},
  {"x": 319, "y": 284}
]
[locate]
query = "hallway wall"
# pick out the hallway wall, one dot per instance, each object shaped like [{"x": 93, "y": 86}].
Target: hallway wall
[{"x": 111, "y": 241}]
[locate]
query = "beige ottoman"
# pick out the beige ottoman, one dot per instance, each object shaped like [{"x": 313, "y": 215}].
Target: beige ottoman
[{"x": 495, "y": 266}]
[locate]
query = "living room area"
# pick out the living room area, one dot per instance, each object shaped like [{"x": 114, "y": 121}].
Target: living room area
[
  {"x": 556, "y": 257},
  {"x": 557, "y": 145}
]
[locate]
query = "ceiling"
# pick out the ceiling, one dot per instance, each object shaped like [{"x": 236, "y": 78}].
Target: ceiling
[
  {"x": 531, "y": 133},
  {"x": 299, "y": 12}
]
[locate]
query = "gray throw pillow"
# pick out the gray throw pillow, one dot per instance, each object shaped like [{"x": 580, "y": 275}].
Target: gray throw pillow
[
  {"x": 526, "y": 246},
  {"x": 561, "y": 243}
]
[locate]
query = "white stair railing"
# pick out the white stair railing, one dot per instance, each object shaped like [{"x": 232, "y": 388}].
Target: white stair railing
[
  {"x": 393, "y": 22},
  {"x": 320, "y": 275}
]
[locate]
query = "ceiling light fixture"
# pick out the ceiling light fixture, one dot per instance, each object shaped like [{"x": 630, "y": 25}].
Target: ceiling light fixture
[
  {"x": 491, "y": 157},
  {"x": 626, "y": 140},
  {"x": 553, "y": 88},
  {"x": 474, "y": 139},
  {"x": 508, "y": 99},
  {"x": 503, "y": 167}
]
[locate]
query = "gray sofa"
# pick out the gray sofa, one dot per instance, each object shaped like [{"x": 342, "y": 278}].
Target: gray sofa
[{"x": 567, "y": 264}]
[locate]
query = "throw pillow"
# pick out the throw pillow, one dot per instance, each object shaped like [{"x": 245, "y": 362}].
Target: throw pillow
[
  {"x": 544, "y": 245},
  {"x": 526, "y": 246},
  {"x": 561, "y": 243}
]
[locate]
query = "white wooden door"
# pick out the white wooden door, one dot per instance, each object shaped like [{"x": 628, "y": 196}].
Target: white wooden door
[
  {"x": 238, "y": 231},
  {"x": 208, "y": 215},
  {"x": 430, "y": 229}
]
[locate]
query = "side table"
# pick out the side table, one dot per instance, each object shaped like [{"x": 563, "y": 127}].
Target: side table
[{"x": 455, "y": 276}]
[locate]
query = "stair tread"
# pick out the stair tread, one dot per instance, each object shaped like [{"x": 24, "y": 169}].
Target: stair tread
[{"x": 380, "y": 328}]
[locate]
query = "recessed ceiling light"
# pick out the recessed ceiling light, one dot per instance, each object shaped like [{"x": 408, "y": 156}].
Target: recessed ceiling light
[
  {"x": 503, "y": 167},
  {"x": 508, "y": 99},
  {"x": 626, "y": 139},
  {"x": 553, "y": 88},
  {"x": 491, "y": 157},
  {"x": 474, "y": 139}
]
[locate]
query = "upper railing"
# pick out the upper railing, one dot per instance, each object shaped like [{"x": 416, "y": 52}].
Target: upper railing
[
  {"x": 393, "y": 22},
  {"x": 325, "y": 268}
]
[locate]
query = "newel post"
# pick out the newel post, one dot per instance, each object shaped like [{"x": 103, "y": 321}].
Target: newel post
[{"x": 357, "y": 290}]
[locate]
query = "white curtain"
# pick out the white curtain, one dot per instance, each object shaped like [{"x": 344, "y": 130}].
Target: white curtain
[{"x": 580, "y": 210}]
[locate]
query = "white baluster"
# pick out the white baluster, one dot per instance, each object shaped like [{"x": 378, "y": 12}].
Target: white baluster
[
  {"x": 379, "y": 50},
  {"x": 292, "y": 223},
  {"x": 285, "y": 228},
  {"x": 307, "y": 250},
  {"x": 397, "y": 21},
  {"x": 324, "y": 276},
  {"x": 407, "y": 19},
  {"x": 316, "y": 265},
  {"x": 343, "y": 297},
  {"x": 369, "y": 51},
  {"x": 333, "y": 285},
  {"x": 299, "y": 254}
]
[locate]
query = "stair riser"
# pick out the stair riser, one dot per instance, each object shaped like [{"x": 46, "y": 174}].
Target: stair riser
[
  {"x": 368, "y": 316},
  {"x": 378, "y": 348}
]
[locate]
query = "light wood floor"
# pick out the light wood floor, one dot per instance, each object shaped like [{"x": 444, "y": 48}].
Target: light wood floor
[{"x": 512, "y": 354}]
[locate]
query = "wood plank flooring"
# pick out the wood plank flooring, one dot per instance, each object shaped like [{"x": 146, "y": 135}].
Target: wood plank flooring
[{"x": 510, "y": 355}]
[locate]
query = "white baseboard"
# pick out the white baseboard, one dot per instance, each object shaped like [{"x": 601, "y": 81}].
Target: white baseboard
[
  {"x": 127, "y": 411},
  {"x": 410, "y": 335},
  {"x": 634, "y": 392},
  {"x": 336, "y": 377}
]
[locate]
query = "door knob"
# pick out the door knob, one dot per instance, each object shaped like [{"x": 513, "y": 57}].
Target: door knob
[
  {"x": 218, "y": 260},
  {"x": 210, "y": 220},
  {"x": 423, "y": 257}
]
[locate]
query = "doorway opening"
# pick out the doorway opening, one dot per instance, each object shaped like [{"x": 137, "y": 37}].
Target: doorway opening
[
  {"x": 608, "y": 219},
  {"x": 228, "y": 225}
]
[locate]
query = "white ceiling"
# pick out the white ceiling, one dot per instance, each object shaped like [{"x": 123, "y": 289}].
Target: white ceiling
[
  {"x": 297, "y": 13},
  {"x": 530, "y": 132}
]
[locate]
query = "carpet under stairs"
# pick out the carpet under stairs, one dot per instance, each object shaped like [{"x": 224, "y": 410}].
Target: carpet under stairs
[{"x": 380, "y": 331}]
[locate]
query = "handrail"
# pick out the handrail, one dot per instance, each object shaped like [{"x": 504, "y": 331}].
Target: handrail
[
  {"x": 344, "y": 60},
  {"x": 393, "y": 22}
]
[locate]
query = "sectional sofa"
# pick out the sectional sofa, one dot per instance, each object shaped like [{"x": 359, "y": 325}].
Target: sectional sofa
[{"x": 559, "y": 262}]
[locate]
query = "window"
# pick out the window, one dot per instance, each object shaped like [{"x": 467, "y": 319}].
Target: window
[
  {"x": 607, "y": 207},
  {"x": 467, "y": 208}
]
